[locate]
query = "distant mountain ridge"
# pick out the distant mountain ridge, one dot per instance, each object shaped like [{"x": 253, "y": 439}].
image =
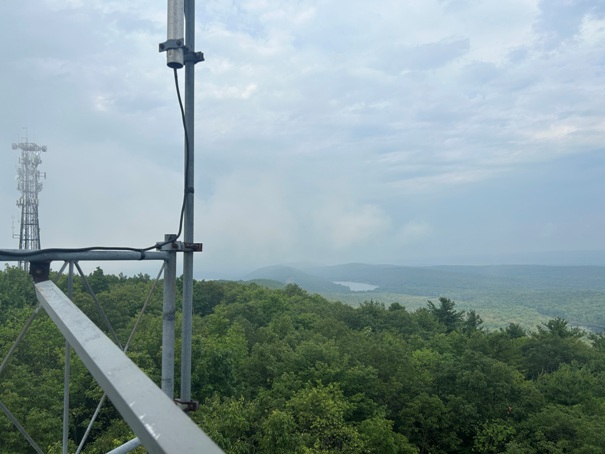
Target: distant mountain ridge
[
  {"x": 291, "y": 275},
  {"x": 527, "y": 294},
  {"x": 437, "y": 279}
]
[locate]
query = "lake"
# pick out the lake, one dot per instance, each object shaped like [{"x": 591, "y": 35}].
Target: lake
[{"x": 357, "y": 286}]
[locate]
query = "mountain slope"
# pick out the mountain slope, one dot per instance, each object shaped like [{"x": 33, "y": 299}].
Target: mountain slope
[{"x": 288, "y": 275}]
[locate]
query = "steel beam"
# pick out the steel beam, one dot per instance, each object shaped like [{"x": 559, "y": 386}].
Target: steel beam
[
  {"x": 15, "y": 255},
  {"x": 155, "y": 419}
]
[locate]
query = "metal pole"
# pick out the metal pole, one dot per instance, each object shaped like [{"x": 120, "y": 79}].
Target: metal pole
[
  {"x": 19, "y": 427},
  {"x": 19, "y": 338},
  {"x": 66, "y": 398},
  {"x": 126, "y": 447},
  {"x": 188, "y": 224},
  {"x": 168, "y": 330},
  {"x": 66, "y": 378},
  {"x": 92, "y": 420}
]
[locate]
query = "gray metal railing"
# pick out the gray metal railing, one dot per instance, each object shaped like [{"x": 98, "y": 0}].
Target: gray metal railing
[{"x": 159, "y": 424}]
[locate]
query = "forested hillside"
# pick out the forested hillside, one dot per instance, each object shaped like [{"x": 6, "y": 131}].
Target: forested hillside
[
  {"x": 285, "y": 371},
  {"x": 523, "y": 294}
]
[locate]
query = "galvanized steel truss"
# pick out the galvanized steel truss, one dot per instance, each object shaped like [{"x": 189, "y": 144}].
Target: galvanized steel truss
[{"x": 151, "y": 412}]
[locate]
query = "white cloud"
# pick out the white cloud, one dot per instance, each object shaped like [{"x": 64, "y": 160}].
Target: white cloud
[
  {"x": 413, "y": 232},
  {"x": 248, "y": 219},
  {"x": 592, "y": 31},
  {"x": 554, "y": 132},
  {"x": 316, "y": 121},
  {"x": 344, "y": 225}
]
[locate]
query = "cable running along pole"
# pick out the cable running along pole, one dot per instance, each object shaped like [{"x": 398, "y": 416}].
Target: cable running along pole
[{"x": 179, "y": 48}]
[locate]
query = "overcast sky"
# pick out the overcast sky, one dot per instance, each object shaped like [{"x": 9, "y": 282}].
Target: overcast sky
[{"x": 400, "y": 132}]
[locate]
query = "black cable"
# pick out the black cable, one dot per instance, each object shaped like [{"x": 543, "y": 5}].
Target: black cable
[
  {"x": 186, "y": 188},
  {"x": 142, "y": 251},
  {"x": 186, "y": 182}
]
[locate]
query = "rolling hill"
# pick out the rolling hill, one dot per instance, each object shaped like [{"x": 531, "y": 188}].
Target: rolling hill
[{"x": 526, "y": 294}]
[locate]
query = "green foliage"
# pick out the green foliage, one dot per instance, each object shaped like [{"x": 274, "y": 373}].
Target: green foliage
[
  {"x": 554, "y": 344},
  {"x": 493, "y": 436},
  {"x": 445, "y": 314},
  {"x": 16, "y": 292},
  {"x": 381, "y": 439},
  {"x": 285, "y": 371},
  {"x": 228, "y": 421},
  {"x": 562, "y": 429},
  {"x": 319, "y": 413},
  {"x": 279, "y": 434}
]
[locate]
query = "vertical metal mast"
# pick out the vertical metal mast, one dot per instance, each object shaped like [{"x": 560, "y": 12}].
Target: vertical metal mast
[
  {"x": 189, "y": 223},
  {"x": 28, "y": 183},
  {"x": 180, "y": 52}
]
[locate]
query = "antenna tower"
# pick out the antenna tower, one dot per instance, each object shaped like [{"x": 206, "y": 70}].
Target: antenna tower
[{"x": 28, "y": 183}]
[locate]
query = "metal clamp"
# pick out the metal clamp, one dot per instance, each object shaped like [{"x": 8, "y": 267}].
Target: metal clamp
[
  {"x": 194, "y": 57},
  {"x": 193, "y": 405},
  {"x": 187, "y": 247},
  {"x": 193, "y": 247},
  {"x": 189, "y": 56},
  {"x": 40, "y": 271},
  {"x": 179, "y": 246},
  {"x": 172, "y": 44}
]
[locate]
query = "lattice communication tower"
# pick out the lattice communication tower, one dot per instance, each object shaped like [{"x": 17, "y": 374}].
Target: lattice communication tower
[{"x": 29, "y": 184}]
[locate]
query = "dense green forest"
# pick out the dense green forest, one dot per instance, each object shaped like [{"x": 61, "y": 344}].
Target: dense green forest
[{"x": 286, "y": 371}]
